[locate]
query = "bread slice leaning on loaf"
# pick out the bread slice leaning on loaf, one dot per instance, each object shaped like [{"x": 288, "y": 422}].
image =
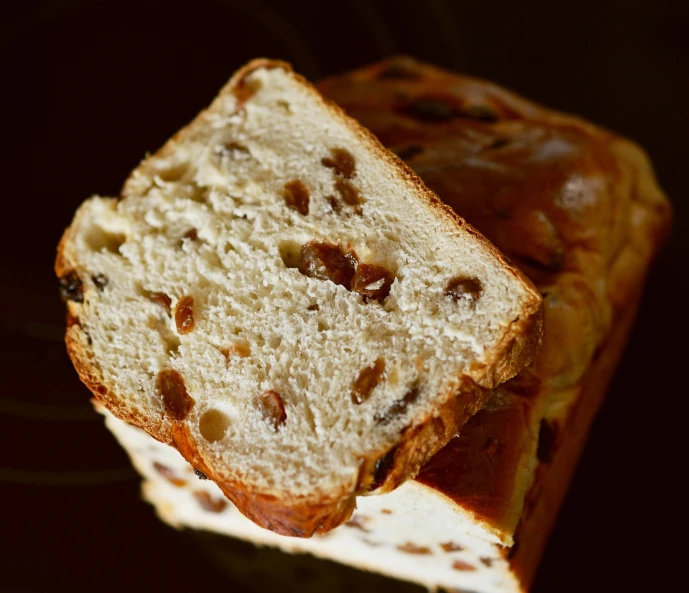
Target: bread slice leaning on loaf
[{"x": 283, "y": 300}]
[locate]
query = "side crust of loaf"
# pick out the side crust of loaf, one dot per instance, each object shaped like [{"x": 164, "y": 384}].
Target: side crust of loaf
[{"x": 304, "y": 516}]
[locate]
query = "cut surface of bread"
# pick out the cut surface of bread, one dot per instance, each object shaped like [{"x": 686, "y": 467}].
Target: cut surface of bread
[{"x": 282, "y": 300}]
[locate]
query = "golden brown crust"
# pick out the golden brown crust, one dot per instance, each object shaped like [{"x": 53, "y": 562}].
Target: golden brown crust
[
  {"x": 579, "y": 211},
  {"x": 323, "y": 511}
]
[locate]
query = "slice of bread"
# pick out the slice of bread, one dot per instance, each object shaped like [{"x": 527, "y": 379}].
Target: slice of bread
[{"x": 284, "y": 301}]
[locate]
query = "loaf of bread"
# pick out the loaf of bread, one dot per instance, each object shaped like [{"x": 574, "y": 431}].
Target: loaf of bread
[
  {"x": 575, "y": 207},
  {"x": 282, "y": 299}
]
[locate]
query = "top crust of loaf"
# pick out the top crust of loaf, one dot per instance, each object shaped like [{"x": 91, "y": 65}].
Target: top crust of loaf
[
  {"x": 579, "y": 211},
  {"x": 303, "y": 512}
]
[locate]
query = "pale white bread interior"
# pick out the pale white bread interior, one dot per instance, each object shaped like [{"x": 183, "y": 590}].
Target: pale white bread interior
[
  {"x": 413, "y": 534},
  {"x": 207, "y": 217}
]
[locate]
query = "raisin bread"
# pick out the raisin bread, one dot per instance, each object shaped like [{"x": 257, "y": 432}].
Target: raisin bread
[
  {"x": 285, "y": 302},
  {"x": 579, "y": 210}
]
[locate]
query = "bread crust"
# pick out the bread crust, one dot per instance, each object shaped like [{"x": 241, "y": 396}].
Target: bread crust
[
  {"x": 571, "y": 243},
  {"x": 304, "y": 516}
]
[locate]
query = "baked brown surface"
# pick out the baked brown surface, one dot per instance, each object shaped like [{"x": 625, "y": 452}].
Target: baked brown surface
[
  {"x": 577, "y": 208},
  {"x": 382, "y": 471}
]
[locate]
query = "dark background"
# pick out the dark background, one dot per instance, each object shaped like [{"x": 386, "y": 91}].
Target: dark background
[{"x": 86, "y": 87}]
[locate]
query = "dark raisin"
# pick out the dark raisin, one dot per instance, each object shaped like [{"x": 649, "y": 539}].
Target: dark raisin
[
  {"x": 399, "y": 72},
  {"x": 326, "y": 261},
  {"x": 296, "y": 196},
  {"x": 357, "y": 522},
  {"x": 409, "y": 152},
  {"x": 493, "y": 447},
  {"x": 382, "y": 468},
  {"x": 272, "y": 409},
  {"x": 451, "y": 547},
  {"x": 348, "y": 193},
  {"x": 184, "y": 315},
  {"x": 100, "y": 281},
  {"x": 168, "y": 474},
  {"x": 163, "y": 300},
  {"x": 313, "y": 307},
  {"x": 191, "y": 234},
  {"x": 461, "y": 287},
  {"x": 547, "y": 439},
  {"x": 461, "y": 565},
  {"x": 367, "y": 381},
  {"x": 71, "y": 288},
  {"x": 430, "y": 109},
  {"x": 200, "y": 475},
  {"x": 210, "y": 503},
  {"x": 486, "y": 561},
  {"x": 373, "y": 282},
  {"x": 411, "y": 548},
  {"x": 481, "y": 113},
  {"x": 341, "y": 161},
  {"x": 334, "y": 203},
  {"x": 176, "y": 400},
  {"x": 399, "y": 407}
]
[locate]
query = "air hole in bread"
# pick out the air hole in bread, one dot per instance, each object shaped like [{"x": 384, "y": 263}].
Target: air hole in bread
[
  {"x": 400, "y": 406},
  {"x": 247, "y": 88},
  {"x": 99, "y": 239},
  {"x": 239, "y": 349},
  {"x": 174, "y": 172},
  {"x": 213, "y": 425},
  {"x": 290, "y": 252},
  {"x": 461, "y": 287}
]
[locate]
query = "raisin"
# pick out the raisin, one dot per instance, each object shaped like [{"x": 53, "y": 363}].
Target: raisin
[
  {"x": 493, "y": 446},
  {"x": 547, "y": 438},
  {"x": 411, "y": 548},
  {"x": 326, "y": 261},
  {"x": 100, "y": 281},
  {"x": 481, "y": 113},
  {"x": 451, "y": 547},
  {"x": 382, "y": 468},
  {"x": 163, "y": 300},
  {"x": 272, "y": 408},
  {"x": 245, "y": 89},
  {"x": 342, "y": 162},
  {"x": 367, "y": 381},
  {"x": 296, "y": 196},
  {"x": 184, "y": 314},
  {"x": 486, "y": 561},
  {"x": 398, "y": 72},
  {"x": 200, "y": 475},
  {"x": 168, "y": 474},
  {"x": 176, "y": 400},
  {"x": 334, "y": 203},
  {"x": 399, "y": 407},
  {"x": 240, "y": 349},
  {"x": 386, "y": 511},
  {"x": 372, "y": 281},
  {"x": 358, "y": 522},
  {"x": 71, "y": 288},
  {"x": 409, "y": 152},
  {"x": 191, "y": 234},
  {"x": 430, "y": 109},
  {"x": 461, "y": 565},
  {"x": 461, "y": 287},
  {"x": 349, "y": 193},
  {"x": 210, "y": 503}
]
